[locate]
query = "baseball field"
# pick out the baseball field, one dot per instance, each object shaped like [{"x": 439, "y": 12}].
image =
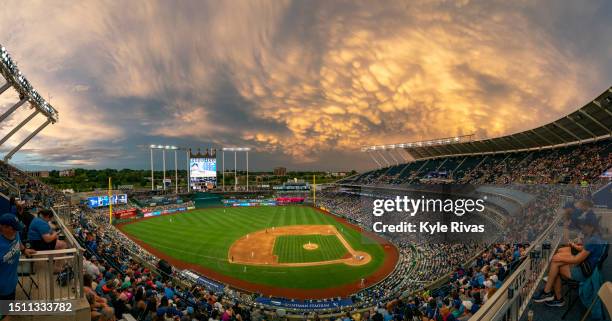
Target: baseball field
[{"x": 291, "y": 251}]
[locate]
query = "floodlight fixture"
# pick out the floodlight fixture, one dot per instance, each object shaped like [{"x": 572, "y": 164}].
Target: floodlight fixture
[{"x": 236, "y": 149}]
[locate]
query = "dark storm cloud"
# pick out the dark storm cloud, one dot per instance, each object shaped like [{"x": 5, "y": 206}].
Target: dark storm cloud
[
  {"x": 230, "y": 108},
  {"x": 75, "y": 155}
]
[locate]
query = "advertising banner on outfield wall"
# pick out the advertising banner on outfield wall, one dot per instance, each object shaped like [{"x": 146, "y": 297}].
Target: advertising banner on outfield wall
[
  {"x": 125, "y": 213},
  {"x": 166, "y": 211}
]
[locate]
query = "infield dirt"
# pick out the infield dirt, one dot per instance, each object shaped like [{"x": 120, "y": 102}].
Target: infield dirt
[{"x": 258, "y": 248}]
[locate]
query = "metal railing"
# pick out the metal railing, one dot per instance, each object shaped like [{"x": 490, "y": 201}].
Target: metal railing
[
  {"x": 37, "y": 280},
  {"x": 512, "y": 299},
  {"x": 64, "y": 213},
  {"x": 7, "y": 189}
]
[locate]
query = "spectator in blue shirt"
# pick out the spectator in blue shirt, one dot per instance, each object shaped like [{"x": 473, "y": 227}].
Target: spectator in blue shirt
[
  {"x": 169, "y": 292},
  {"x": 10, "y": 251},
  {"x": 40, "y": 234}
]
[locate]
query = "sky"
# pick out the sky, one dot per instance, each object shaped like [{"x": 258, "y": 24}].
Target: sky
[{"x": 303, "y": 83}]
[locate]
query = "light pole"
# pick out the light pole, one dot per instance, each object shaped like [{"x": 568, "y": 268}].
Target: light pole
[
  {"x": 164, "y": 148},
  {"x": 235, "y": 172},
  {"x": 247, "y": 174},
  {"x": 235, "y": 150},
  {"x": 188, "y": 151},
  {"x": 164, "y": 170},
  {"x": 152, "y": 182}
]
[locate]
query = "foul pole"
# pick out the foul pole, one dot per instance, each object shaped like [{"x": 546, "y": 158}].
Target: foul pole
[
  {"x": 110, "y": 201},
  {"x": 314, "y": 190}
]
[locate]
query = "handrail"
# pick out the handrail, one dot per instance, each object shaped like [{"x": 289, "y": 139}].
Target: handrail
[
  {"x": 67, "y": 232},
  {"x": 42, "y": 259},
  {"x": 10, "y": 186},
  {"x": 51, "y": 252},
  {"x": 501, "y": 300},
  {"x": 50, "y": 260}
]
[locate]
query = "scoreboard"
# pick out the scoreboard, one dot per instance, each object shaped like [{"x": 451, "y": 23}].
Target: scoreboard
[{"x": 203, "y": 173}]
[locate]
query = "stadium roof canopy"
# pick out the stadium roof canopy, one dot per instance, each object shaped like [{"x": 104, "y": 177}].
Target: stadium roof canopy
[
  {"x": 589, "y": 123},
  {"x": 15, "y": 79}
]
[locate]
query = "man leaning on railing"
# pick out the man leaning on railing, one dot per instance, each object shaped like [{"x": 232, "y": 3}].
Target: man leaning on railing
[{"x": 10, "y": 251}]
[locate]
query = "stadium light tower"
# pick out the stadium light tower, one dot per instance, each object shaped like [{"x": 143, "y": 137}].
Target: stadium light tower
[
  {"x": 380, "y": 150},
  {"x": 236, "y": 150},
  {"x": 164, "y": 148},
  {"x": 14, "y": 78}
]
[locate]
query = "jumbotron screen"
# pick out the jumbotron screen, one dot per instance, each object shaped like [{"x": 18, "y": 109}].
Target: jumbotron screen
[
  {"x": 102, "y": 201},
  {"x": 202, "y": 172}
]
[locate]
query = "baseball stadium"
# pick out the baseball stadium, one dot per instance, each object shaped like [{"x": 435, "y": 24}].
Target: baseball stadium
[{"x": 241, "y": 161}]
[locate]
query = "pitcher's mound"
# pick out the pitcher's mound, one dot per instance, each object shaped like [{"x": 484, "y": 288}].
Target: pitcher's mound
[{"x": 311, "y": 246}]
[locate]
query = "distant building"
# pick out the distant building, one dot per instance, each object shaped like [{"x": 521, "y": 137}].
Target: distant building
[
  {"x": 41, "y": 174},
  {"x": 280, "y": 171},
  {"x": 66, "y": 173}
]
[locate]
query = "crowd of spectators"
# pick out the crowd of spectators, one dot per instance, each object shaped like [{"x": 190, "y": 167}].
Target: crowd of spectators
[
  {"x": 32, "y": 192},
  {"x": 116, "y": 208},
  {"x": 571, "y": 165},
  {"x": 474, "y": 279},
  {"x": 167, "y": 207},
  {"x": 468, "y": 290},
  {"x": 120, "y": 277},
  {"x": 39, "y": 231},
  {"x": 567, "y": 165}
]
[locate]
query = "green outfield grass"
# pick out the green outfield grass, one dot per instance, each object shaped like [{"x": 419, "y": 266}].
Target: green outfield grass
[
  {"x": 203, "y": 237},
  {"x": 290, "y": 248}
]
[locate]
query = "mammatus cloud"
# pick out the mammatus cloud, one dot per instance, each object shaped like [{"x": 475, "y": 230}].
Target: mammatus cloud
[{"x": 300, "y": 79}]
